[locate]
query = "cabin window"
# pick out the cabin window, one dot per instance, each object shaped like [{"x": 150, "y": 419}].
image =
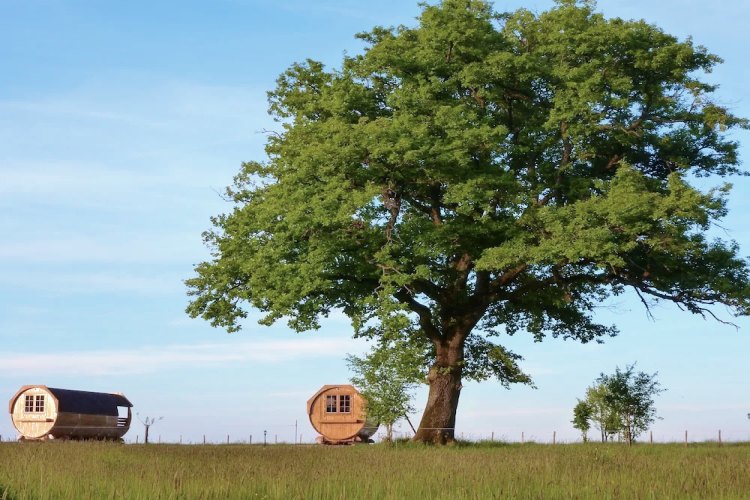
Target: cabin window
[
  {"x": 345, "y": 404},
  {"x": 33, "y": 404},
  {"x": 331, "y": 404}
]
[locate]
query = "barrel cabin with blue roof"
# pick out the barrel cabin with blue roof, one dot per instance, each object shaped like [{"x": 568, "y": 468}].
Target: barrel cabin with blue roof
[{"x": 40, "y": 412}]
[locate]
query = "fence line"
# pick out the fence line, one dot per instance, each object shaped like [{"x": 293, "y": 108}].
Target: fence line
[{"x": 552, "y": 437}]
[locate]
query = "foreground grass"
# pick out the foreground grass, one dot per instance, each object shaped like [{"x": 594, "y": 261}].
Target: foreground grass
[{"x": 105, "y": 470}]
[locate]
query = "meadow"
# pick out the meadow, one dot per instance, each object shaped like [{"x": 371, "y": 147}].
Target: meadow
[{"x": 481, "y": 470}]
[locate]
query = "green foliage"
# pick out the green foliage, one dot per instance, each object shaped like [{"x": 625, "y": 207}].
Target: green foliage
[
  {"x": 630, "y": 395},
  {"x": 621, "y": 403},
  {"x": 582, "y": 413},
  {"x": 603, "y": 416},
  {"x": 483, "y": 174},
  {"x": 386, "y": 377}
]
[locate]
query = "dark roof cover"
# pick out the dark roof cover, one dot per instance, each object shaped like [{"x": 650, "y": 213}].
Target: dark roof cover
[{"x": 91, "y": 403}]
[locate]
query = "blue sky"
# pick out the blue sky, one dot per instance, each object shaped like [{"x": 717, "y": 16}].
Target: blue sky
[{"x": 119, "y": 124}]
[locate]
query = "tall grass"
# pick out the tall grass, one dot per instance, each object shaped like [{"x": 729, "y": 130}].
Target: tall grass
[{"x": 105, "y": 470}]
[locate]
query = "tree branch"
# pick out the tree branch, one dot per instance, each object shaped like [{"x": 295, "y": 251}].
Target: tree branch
[{"x": 424, "y": 313}]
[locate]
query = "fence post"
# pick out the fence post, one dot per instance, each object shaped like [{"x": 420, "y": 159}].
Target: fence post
[
  {"x": 719, "y": 437},
  {"x": 686, "y": 442},
  {"x": 251, "y": 439},
  {"x": 651, "y": 437},
  {"x": 554, "y": 437},
  {"x": 521, "y": 437},
  {"x": 493, "y": 436},
  {"x": 227, "y": 438},
  {"x": 204, "y": 439}
]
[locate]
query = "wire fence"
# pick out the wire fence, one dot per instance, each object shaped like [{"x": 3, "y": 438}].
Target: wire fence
[{"x": 291, "y": 434}]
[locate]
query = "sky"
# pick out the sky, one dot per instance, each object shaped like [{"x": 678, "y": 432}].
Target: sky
[{"x": 121, "y": 123}]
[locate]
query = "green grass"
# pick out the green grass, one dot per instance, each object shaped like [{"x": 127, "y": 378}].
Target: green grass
[{"x": 106, "y": 470}]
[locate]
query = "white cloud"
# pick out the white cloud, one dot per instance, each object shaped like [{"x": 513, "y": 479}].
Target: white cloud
[
  {"x": 124, "y": 138},
  {"x": 105, "y": 248},
  {"x": 67, "y": 179},
  {"x": 171, "y": 357},
  {"x": 86, "y": 282}
]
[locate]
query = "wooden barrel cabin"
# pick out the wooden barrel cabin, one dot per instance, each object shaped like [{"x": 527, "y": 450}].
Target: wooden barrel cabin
[
  {"x": 40, "y": 412},
  {"x": 337, "y": 412}
]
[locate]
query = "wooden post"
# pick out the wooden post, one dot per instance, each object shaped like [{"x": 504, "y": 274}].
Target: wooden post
[
  {"x": 521, "y": 437},
  {"x": 554, "y": 437},
  {"x": 251, "y": 439},
  {"x": 295, "y": 432},
  {"x": 686, "y": 442},
  {"x": 204, "y": 439},
  {"x": 264, "y": 437},
  {"x": 275, "y": 439},
  {"x": 651, "y": 437},
  {"x": 227, "y": 438},
  {"x": 719, "y": 437},
  {"x": 136, "y": 439},
  {"x": 493, "y": 436}
]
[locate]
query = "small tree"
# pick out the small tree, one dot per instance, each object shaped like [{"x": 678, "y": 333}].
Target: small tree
[
  {"x": 622, "y": 403},
  {"x": 147, "y": 423},
  {"x": 630, "y": 395},
  {"x": 602, "y": 415},
  {"x": 582, "y": 418},
  {"x": 386, "y": 377}
]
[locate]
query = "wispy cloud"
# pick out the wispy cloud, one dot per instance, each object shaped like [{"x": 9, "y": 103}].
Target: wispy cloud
[
  {"x": 71, "y": 179},
  {"x": 171, "y": 357},
  {"x": 104, "y": 248},
  {"x": 141, "y": 283}
]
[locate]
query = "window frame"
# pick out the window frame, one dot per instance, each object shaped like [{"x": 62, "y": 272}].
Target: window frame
[
  {"x": 34, "y": 403},
  {"x": 332, "y": 404},
  {"x": 345, "y": 403},
  {"x": 28, "y": 403}
]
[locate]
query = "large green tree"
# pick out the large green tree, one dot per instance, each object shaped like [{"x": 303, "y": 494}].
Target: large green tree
[{"x": 480, "y": 175}]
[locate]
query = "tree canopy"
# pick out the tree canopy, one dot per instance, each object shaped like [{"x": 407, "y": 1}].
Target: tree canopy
[
  {"x": 621, "y": 403},
  {"x": 479, "y": 175}
]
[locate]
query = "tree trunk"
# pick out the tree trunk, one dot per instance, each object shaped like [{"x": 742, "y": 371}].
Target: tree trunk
[
  {"x": 389, "y": 432},
  {"x": 438, "y": 422}
]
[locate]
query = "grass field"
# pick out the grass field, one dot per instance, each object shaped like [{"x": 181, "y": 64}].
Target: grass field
[{"x": 106, "y": 470}]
